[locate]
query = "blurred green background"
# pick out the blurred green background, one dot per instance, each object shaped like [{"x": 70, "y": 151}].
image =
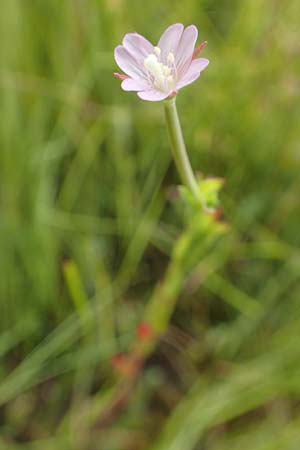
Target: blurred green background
[{"x": 88, "y": 222}]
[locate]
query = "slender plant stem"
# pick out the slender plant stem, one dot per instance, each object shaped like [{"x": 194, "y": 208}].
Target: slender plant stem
[{"x": 179, "y": 149}]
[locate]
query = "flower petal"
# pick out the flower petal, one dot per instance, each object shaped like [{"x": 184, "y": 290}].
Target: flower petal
[
  {"x": 153, "y": 95},
  {"x": 137, "y": 46},
  {"x": 185, "y": 49},
  {"x": 169, "y": 40},
  {"x": 133, "y": 85},
  {"x": 128, "y": 63},
  {"x": 193, "y": 72}
]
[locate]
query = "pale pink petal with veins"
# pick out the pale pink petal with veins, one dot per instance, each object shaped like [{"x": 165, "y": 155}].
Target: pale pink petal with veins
[
  {"x": 153, "y": 95},
  {"x": 137, "y": 46},
  {"x": 128, "y": 63},
  {"x": 185, "y": 49},
  {"x": 170, "y": 39},
  {"x": 193, "y": 72},
  {"x": 134, "y": 85}
]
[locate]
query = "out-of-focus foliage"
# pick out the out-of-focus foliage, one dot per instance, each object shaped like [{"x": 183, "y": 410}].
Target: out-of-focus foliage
[{"x": 88, "y": 222}]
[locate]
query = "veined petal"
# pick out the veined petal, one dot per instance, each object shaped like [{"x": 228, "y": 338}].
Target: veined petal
[
  {"x": 133, "y": 85},
  {"x": 153, "y": 95},
  {"x": 169, "y": 40},
  {"x": 128, "y": 63},
  {"x": 137, "y": 46},
  {"x": 185, "y": 49},
  {"x": 193, "y": 72}
]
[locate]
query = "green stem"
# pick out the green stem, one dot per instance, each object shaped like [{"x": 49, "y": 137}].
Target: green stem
[{"x": 178, "y": 148}]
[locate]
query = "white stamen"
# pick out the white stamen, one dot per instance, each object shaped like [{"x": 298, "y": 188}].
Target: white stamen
[
  {"x": 162, "y": 74},
  {"x": 171, "y": 58},
  {"x": 157, "y": 51},
  {"x": 166, "y": 70},
  {"x": 155, "y": 68}
]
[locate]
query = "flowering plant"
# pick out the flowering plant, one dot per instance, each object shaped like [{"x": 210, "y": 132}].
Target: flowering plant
[{"x": 157, "y": 73}]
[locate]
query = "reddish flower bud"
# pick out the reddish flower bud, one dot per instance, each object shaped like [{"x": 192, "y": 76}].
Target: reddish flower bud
[
  {"x": 144, "y": 331},
  {"x": 124, "y": 365},
  {"x": 218, "y": 214}
]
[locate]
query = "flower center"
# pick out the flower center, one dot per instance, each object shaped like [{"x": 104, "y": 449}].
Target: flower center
[{"x": 162, "y": 75}]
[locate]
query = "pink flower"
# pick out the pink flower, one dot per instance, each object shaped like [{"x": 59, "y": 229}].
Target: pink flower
[{"x": 157, "y": 73}]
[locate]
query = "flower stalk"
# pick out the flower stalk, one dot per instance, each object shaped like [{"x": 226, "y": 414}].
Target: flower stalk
[{"x": 179, "y": 149}]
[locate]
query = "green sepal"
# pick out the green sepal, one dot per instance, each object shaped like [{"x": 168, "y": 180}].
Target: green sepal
[{"x": 209, "y": 189}]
